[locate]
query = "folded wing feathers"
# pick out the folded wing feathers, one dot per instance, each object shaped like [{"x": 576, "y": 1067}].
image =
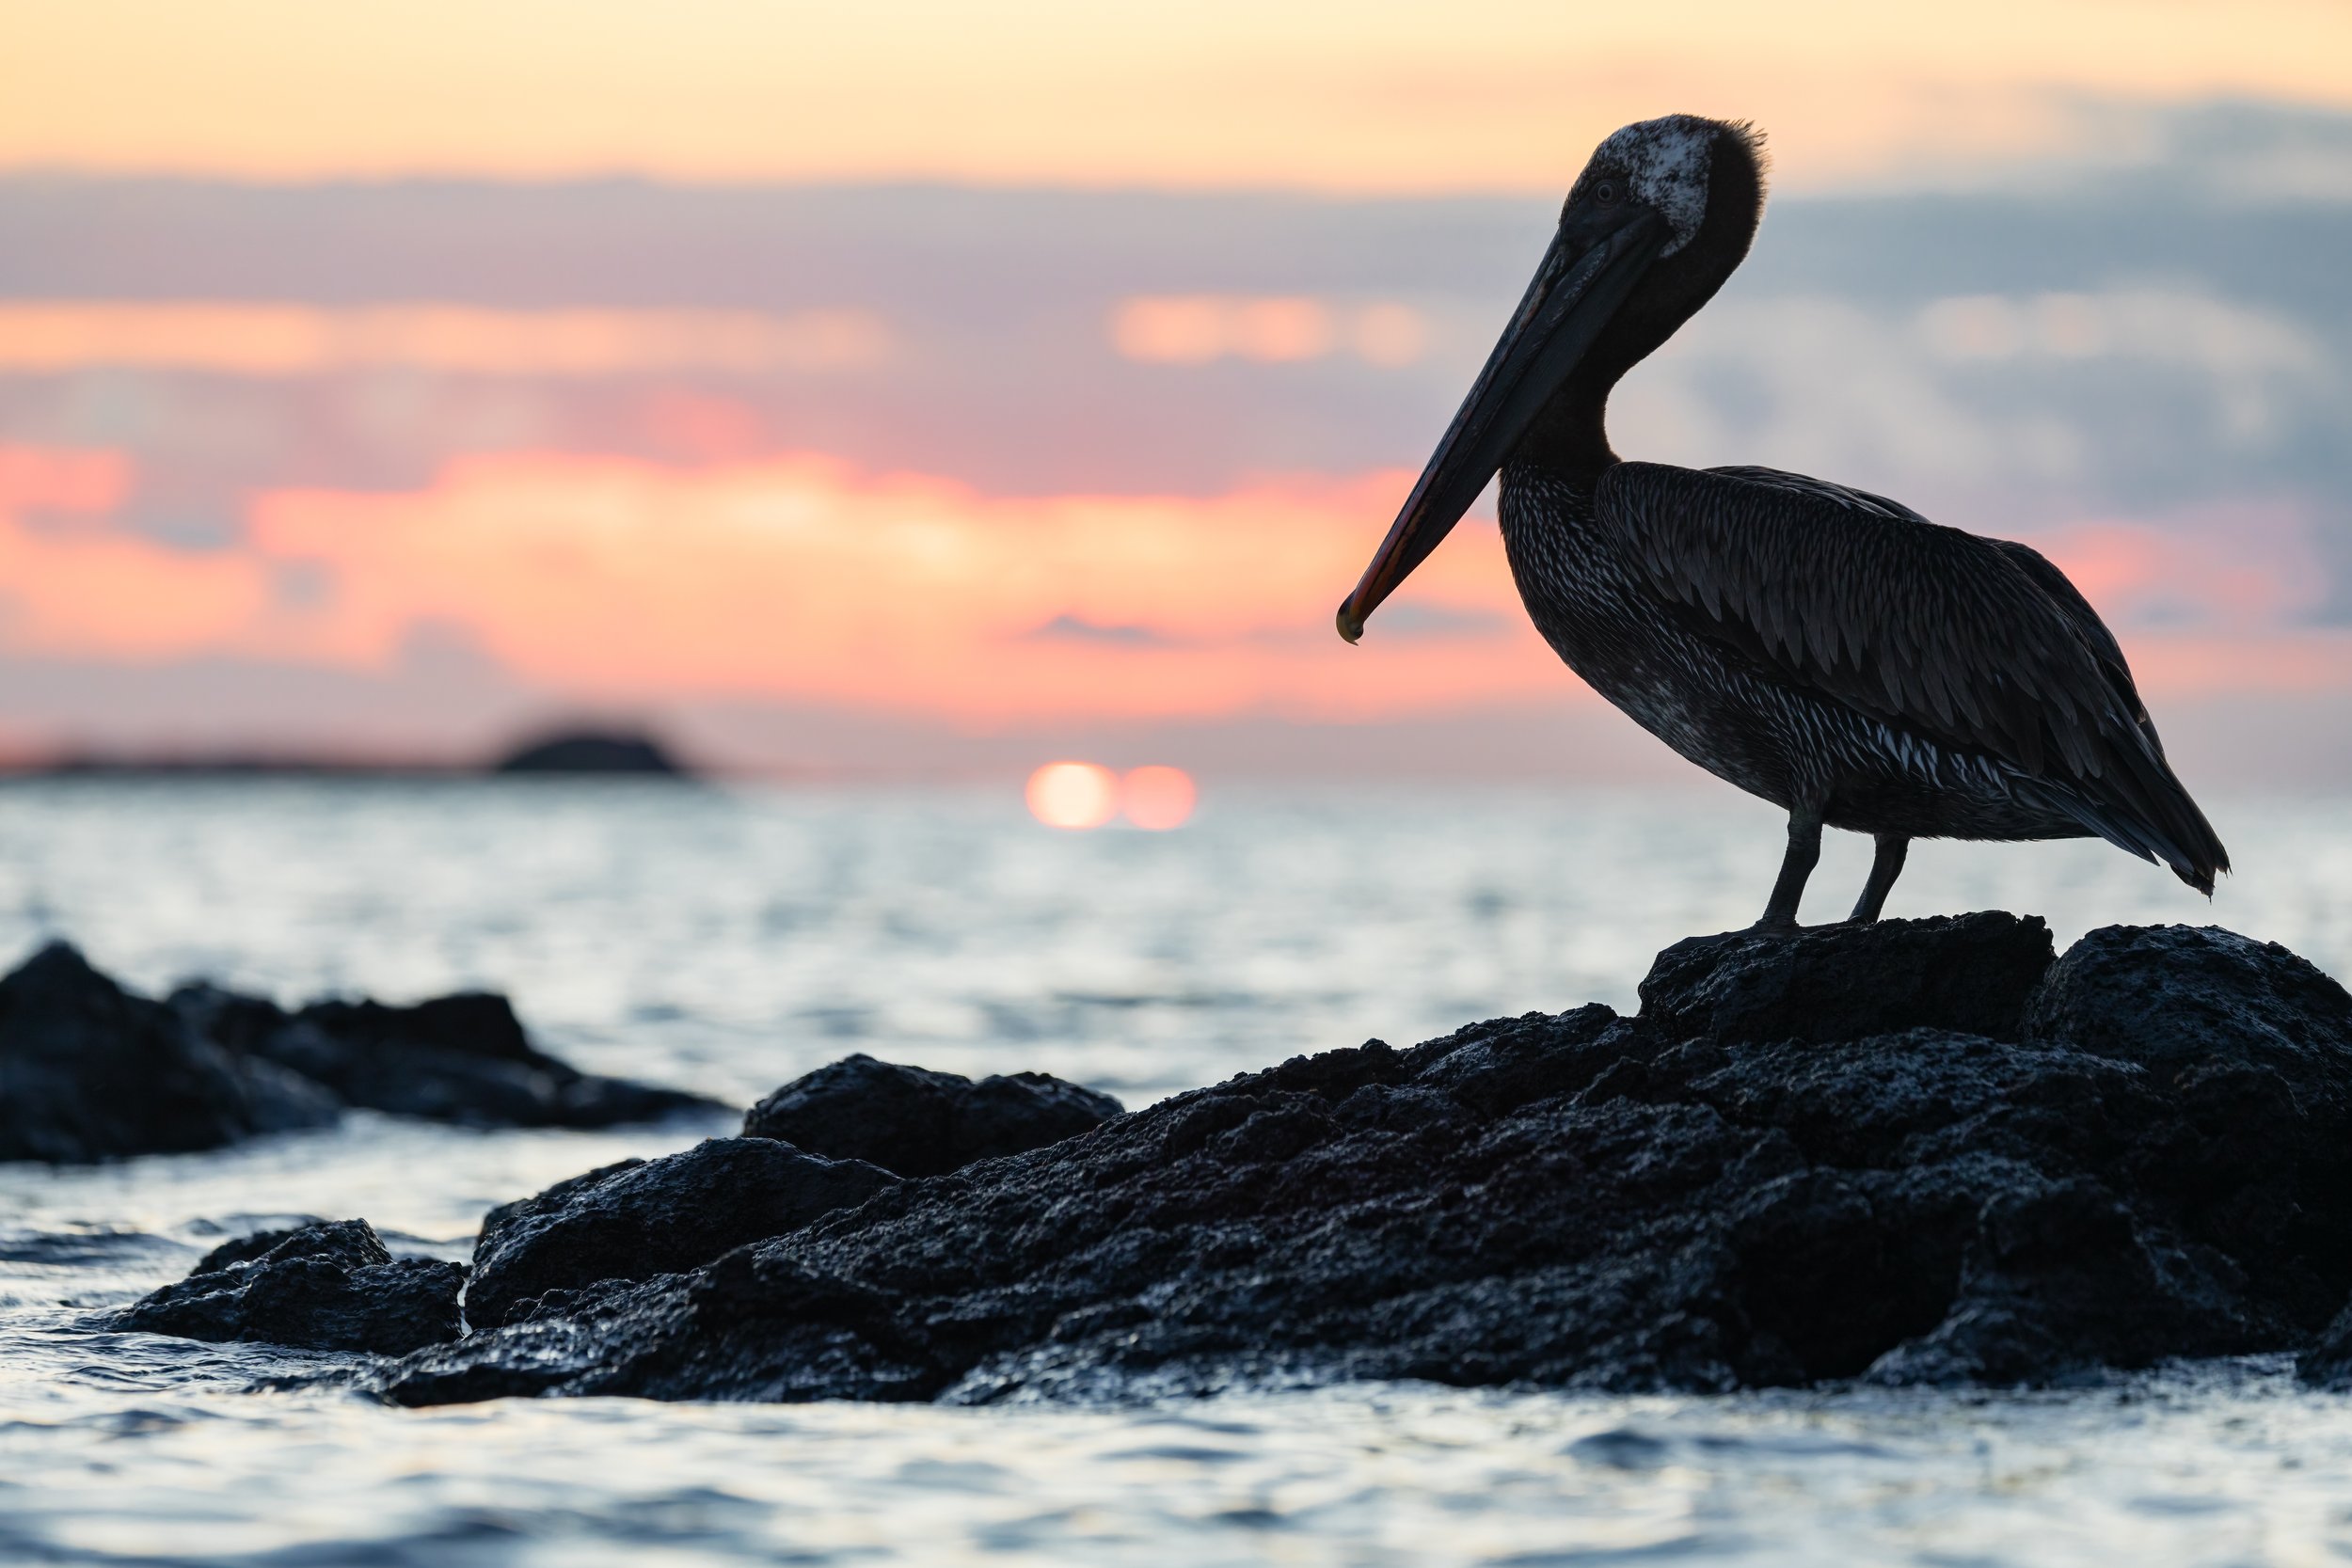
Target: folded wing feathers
[
  {"x": 1981, "y": 641},
  {"x": 1880, "y": 606}
]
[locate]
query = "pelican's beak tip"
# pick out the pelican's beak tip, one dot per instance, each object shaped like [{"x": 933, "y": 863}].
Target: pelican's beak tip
[{"x": 1351, "y": 624}]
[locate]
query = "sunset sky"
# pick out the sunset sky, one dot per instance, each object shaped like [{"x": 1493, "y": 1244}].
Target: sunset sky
[
  {"x": 1356, "y": 95},
  {"x": 914, "y": 386}
]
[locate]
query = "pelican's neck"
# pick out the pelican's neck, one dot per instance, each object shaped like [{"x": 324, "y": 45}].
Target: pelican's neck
[{"x": 1570, "y": 435}]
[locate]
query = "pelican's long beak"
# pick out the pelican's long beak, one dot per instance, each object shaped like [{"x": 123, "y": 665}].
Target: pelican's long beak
[{"x": 1584, "y": 277}]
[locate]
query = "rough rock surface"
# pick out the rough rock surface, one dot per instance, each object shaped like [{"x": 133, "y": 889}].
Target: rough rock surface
[
  {"x": 328, "y": 1286},
  {"x": 88, "y": 1071},
  {"x": 917, "y": 1122},
  {"x": 644, "y": 1217},
  {"x": 2138, "y": 1153},
  {"x": 1967, "y": 974},
  {"x": 2328, "y": 1362},
  {"x": 462, "y": 1058}
]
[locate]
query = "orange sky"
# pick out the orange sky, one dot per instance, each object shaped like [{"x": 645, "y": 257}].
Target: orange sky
[
  {"x": 1342, "y": 94},
  {"x": 799, "y": 578},
  {"x": 306, "y": 341},
  {"x": 794, "y": 578}
]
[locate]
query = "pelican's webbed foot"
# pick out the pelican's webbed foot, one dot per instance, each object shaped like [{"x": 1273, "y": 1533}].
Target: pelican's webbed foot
[{"x": 1767, "y": 927}]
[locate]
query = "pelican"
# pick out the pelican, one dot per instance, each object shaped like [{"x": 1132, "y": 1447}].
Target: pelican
[{"x": 1827, "y": 649}]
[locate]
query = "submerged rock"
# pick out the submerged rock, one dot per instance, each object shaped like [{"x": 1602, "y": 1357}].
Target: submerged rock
[
  {"x": 644, "y": 1217},
  {"x": 917, "y": 1122},
  {"x": 89, "y": 1070},
  {"x": 1711, "y": 1195},
  {"x": 327, "y": 1286}
]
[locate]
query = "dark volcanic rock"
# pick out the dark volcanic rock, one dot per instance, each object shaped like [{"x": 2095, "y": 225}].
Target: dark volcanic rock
[
  {"x": 255, "y": 1243},
  {"x": 331, "y": 1285},
  {"x": 644, "y": 1217},
  {"x": 462, "y": 1058},
  {"x": 88, "y": 1071},
  {"x": 1969, "y": 974},
  {"x": 1719, "y": 1202},
  {"x": 917, "y": 1122},
  {"x": 2162, "y": 995}
]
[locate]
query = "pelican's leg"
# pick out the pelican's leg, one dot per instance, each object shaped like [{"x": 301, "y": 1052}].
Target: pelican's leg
[
  {"x": 1804, "y": 851},
  {"x": 1885, "y": 866}
]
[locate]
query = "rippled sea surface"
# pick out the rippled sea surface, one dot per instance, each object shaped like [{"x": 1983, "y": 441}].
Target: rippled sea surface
[{"x": 728, "y": 940}]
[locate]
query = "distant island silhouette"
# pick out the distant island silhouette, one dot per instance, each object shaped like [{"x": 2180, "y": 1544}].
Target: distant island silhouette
[
  {"x": 571, "y": 750},
  {"x": 593, "y": 752}
]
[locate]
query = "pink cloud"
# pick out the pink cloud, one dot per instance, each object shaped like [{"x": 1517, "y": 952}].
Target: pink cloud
[
  {"x": 2247, "y": 567},
  {"x": 799, "y": 579}
]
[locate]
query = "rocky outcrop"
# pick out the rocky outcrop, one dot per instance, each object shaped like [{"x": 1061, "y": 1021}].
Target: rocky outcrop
[
  {"x": 2012, "y": 1171},
  {"x": 89, "y": 1070},
  {"x": 325, "y": 1285},
  {"x": 828, "y": 1140},
  {"x": 1966, "y": 975},
  {"x": 644, "y": 1217},
  {"x": 917, "y": 1122}
]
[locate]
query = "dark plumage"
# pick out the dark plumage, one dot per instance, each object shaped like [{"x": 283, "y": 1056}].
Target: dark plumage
[{"x": 1827, "y": 649}]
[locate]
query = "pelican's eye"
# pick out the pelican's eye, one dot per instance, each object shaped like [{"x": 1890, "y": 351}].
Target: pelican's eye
[{"x": 1608, "y": 193}]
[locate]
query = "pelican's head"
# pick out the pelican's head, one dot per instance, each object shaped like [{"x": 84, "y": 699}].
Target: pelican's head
[{"x": 1662, "y": 215}]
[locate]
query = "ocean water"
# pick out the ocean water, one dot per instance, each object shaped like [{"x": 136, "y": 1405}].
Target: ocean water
[{"x": 727, "y": 940}]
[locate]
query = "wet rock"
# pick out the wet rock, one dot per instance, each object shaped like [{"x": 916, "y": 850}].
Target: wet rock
[
  {"x": 917, "y": 1122},
  {"x": 329, "y": 1286},
  {"x": 2328, "y": 1362},
  {"x": 89, "y": 1070},
  {"x": 1716, "y": 1194},
  {"x": 255, "y": 1243},
  {"x": 2165, "y": 995},
  {"x": 644, "y": 1217},
  {"x": 462, "y": 1058},
  {"x": 2245, "y": 1044}
]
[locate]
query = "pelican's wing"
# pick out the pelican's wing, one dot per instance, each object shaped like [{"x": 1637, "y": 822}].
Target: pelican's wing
[
  {"x": 2100, "y": 641},
  {"x": 1977, "y": 643}
]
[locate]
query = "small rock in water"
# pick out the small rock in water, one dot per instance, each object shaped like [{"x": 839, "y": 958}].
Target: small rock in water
[
  {"x": 1620, "y": 1448},
  {"x": 644, "y": 1217},
  {"x": 89, "y": 1070},
  {"x": 329, "y": 1286},
  {"x": 1913, "y": 1153},
  {"x": 917, "y": 1122},
  {"x": 92, "y": 1071},
  {"x": 462, "y": 1058}
]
